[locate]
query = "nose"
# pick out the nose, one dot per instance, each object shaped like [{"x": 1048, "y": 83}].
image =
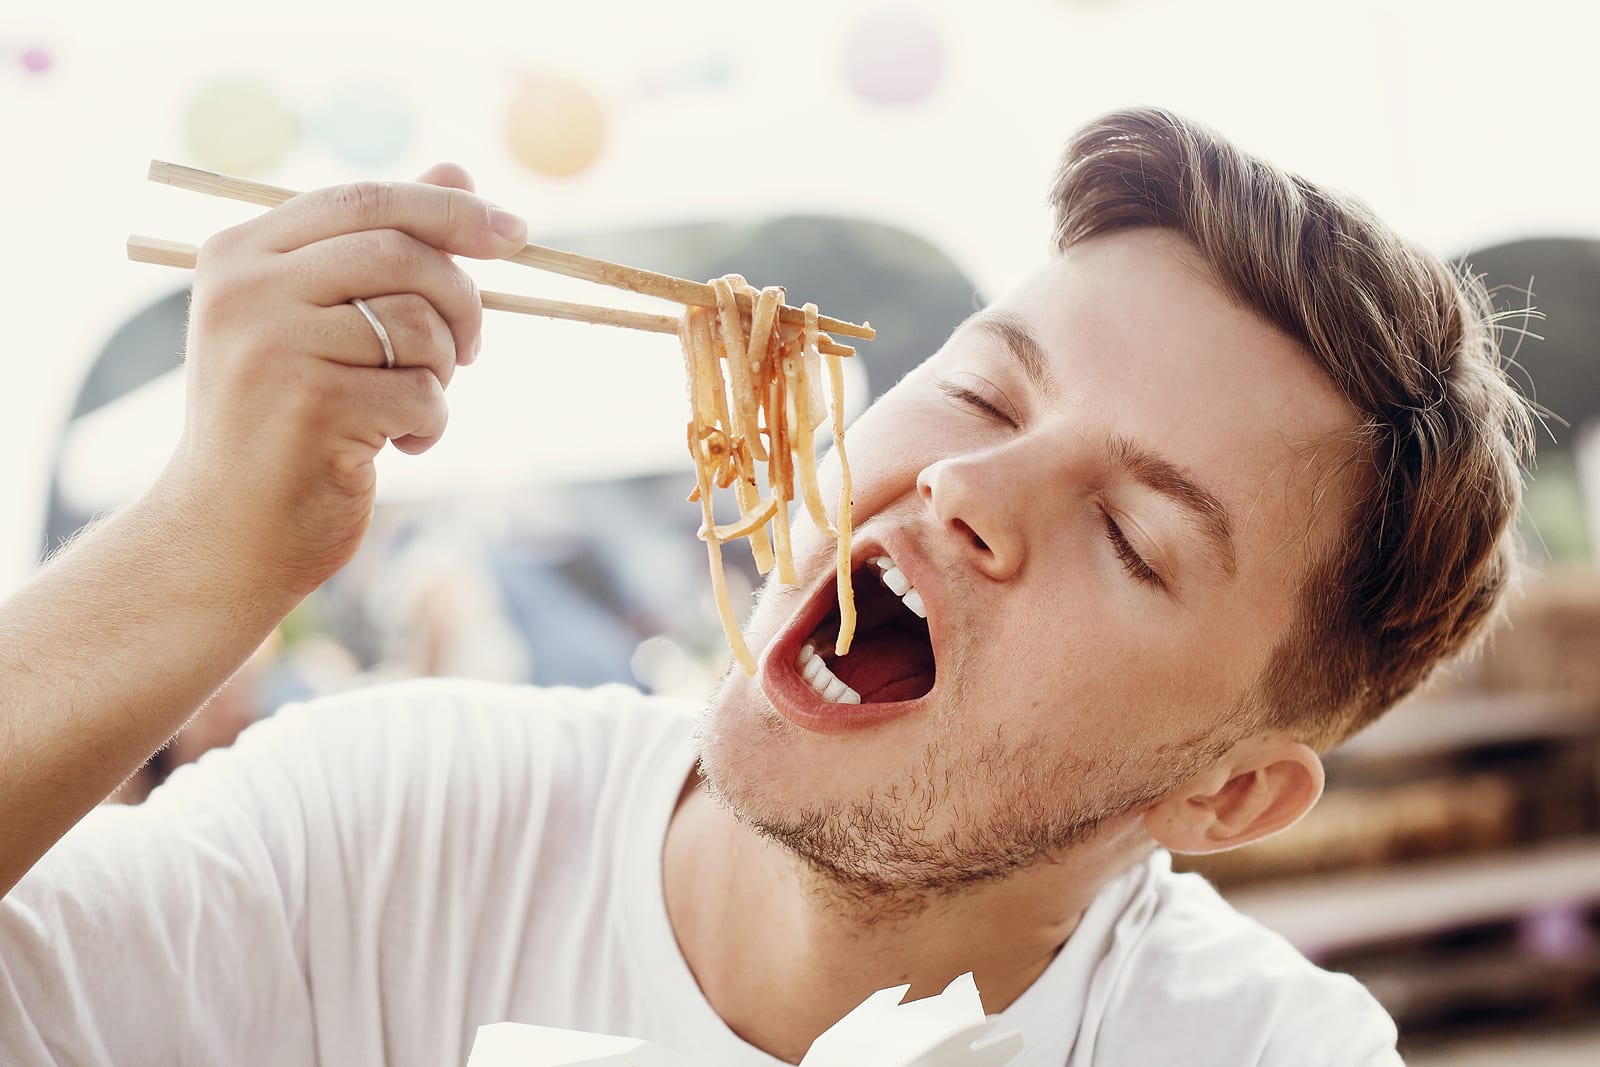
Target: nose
[{"x": 975, "y": 508}]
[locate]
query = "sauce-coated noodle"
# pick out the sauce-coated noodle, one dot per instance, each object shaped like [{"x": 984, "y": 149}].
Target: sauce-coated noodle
[{"x": 764, "y": 411}]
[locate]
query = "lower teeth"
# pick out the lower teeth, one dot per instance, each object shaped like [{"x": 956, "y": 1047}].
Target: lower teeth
[{"x": 822, "y": 680}]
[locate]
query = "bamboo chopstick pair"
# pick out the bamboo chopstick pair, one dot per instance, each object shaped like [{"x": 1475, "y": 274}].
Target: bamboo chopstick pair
[{"x": 177, "y": 254}]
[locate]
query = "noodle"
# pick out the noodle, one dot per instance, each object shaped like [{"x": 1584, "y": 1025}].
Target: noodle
[
  {"x": 802, "y": 383},
  {"x": 694, "y": 336},
  {"x": 847, "y": 603},
  {"x": 739, "y": 418},
  {"x": 765, "y": 409}
]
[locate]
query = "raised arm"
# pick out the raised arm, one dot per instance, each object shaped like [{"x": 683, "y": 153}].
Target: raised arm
[{"x": 117, "y": 641}]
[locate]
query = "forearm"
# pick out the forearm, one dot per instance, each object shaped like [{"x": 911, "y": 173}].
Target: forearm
[{"x": 103, "y": 656}]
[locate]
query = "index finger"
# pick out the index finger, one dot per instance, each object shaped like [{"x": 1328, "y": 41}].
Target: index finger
[{"x": 451, "y": 220}]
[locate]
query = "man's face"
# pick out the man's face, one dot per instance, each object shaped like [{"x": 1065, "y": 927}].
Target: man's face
[{"x": 1102, "y": 488}]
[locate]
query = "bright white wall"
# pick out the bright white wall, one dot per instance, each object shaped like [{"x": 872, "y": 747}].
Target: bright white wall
[{"x": 1460, "y": 122}]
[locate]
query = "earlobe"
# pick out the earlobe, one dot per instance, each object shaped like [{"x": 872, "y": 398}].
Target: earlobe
[{"x": 1255, "y": 793}]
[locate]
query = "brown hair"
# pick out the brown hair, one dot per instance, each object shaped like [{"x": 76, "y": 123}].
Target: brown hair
[{"x": 1413, "y": 346}]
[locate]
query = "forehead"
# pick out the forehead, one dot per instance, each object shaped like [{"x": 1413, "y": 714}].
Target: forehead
[{"x": 1139, "y": 341}]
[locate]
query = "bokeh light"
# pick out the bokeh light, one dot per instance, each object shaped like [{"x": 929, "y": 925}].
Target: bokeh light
[
  {"x": 240, "y": 126},
  {"x": 894, "y": 55},
  {"x": 555, "y": 127},
  {"x": 368, "y": 125},
  {"x": 36, "y": 60}
]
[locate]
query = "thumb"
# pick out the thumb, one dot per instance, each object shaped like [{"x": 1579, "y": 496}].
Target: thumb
[{"x": 448, "y": 176}]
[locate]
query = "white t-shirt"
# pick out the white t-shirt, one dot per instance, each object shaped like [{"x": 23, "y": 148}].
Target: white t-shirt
[{"x": 370, "y": 878}]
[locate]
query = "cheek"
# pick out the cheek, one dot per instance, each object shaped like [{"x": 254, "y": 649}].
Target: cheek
[
  {"x": 1102, "y": 683},
  {"x": 1071, "y": 668},
  {"x": 889, "y": 445}
]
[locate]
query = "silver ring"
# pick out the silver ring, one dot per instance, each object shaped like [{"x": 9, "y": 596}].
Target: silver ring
[{"x": 377, "y": 328}]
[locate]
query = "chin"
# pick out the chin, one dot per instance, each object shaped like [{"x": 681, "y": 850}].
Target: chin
[{"x": 776, "y": 776}]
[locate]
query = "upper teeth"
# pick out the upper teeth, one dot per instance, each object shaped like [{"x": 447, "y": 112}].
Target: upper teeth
[
  {"x": 811, "y": 665},
  {"x": 900, "y": 585}
]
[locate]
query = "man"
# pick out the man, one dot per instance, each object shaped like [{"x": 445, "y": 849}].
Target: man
[{"x": 1215, "y": 486}]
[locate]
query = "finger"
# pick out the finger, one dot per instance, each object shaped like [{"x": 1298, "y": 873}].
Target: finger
[
  {"x": 417, "y": 333},
  {"x": 450, "y": 219},
  {"x": 448, "y": 176},
  {"x": 405, "y": 405},
  {"x": 455, "y": 177},
  {"x": 414, "y": 444},
  {"x": 376, "y": 263}
]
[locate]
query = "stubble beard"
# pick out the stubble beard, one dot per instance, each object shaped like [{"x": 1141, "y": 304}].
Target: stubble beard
[{"x": 963, "y": 815}]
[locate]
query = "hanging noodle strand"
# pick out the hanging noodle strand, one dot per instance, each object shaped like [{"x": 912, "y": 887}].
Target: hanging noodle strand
[{"x": 765, "y": 409}]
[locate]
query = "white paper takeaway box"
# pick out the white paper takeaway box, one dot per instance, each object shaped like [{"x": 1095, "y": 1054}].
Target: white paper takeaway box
[
  {"x": 521, "y": 1045},
  {"x": 948, "y": 1030}
]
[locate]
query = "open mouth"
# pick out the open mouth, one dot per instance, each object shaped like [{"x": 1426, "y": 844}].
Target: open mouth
[{"x": 891, "y": 657}]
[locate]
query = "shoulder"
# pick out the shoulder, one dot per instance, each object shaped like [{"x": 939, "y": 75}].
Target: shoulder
[
  {"x": 387, "y": 753},
  {"x": 430, "y": 717},
  {"x": 1191, "y": 967}
]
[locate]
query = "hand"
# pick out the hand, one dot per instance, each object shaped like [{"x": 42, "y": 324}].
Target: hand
[{"x": 288, "y": 398}]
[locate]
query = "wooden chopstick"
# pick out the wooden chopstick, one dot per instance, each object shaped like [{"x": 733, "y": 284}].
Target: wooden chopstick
[
  {"x": 571, "y": 264},
  {"x": 166, "y": 253}
]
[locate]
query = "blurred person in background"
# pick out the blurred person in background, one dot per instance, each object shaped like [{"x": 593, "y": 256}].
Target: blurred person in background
[
  {"x": 438, "y": 610},
  {"x": 1211, "y": 489}
]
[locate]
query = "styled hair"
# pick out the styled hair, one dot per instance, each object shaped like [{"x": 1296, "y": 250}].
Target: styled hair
[{"x": 1409, "y": 341}]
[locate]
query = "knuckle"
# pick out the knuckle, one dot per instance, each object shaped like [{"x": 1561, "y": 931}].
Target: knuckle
[
  {"x": 441, "y": 336},
  {"x": 219, "y": 295},
  {"x": 442, "y": 357},
  {"x": 468, "y": 290},
  {"x": 218, "y": 247},
  {"x": 368, "y": 201},
  {"x": 394, "y": 248},
  {"x": 466, "y": 220},
  {"x": 413, "y": 314},
  {"x": 425, "y": 393},
  {"x": 466, "y": 304},
  {"x": 315, "y": 401}
]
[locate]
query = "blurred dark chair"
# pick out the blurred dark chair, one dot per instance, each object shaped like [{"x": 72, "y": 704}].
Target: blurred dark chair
[
  {"x": 1560, "y": 372},
  {"x": 143, "y": 349},
  {"x": 1564, "y": 276}
]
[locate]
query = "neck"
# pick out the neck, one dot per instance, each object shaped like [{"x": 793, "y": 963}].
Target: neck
[{"x": 782, "y": 954}]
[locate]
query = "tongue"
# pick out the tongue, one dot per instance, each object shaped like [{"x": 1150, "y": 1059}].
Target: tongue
[{"x": 886, "y": 664}]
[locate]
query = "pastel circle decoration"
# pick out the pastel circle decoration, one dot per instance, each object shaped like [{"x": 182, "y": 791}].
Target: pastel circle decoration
[
  {"x": 367, "y": 125},
  {"x": 555, "y": 127},
  {"x": 893, "y": 56},
  {"x": 717, "y": 70},
  {"x": 710, "y": 73},
  {"x": 36, "y": 60},
  {"x": 240, "y": 126}
]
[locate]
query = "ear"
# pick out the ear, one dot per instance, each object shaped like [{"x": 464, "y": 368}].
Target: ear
[{"x": 1263, "y": 785}]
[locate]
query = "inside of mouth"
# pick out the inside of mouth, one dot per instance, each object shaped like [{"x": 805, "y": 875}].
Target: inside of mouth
[{"x": 891, "y": 656}]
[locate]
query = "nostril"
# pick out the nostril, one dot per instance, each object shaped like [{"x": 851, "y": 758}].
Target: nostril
[{"x": 970, "y": 532}]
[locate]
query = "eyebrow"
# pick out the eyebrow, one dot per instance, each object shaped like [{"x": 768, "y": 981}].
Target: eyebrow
[
  {"x": 1020, "y": 341},
  {"x": 1151, "y": 470},
  {"x": 1162, "y": 476}
]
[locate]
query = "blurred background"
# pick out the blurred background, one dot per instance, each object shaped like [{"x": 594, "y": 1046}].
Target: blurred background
[{"x": 890, "y": 162}]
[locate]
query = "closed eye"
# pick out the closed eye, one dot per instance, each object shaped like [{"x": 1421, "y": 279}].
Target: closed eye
[
  {"x": 970, "y": 397},
  {"x": 1132, "y": 562}
]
